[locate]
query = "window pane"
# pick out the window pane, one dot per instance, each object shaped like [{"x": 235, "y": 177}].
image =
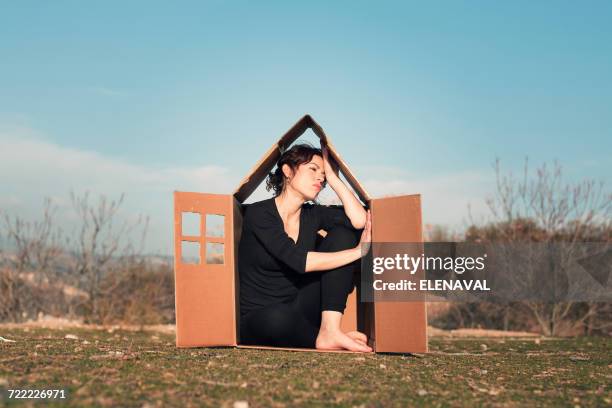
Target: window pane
[
  {"x": 215, "y": 225},
  {"x": 190, "y": 224},
  {"x": 190, "y": 252},
  {"x": 214, "y": 253}
]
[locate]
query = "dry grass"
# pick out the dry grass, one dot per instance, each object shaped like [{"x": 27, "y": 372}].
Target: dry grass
[{"x": 141, "y": 368}]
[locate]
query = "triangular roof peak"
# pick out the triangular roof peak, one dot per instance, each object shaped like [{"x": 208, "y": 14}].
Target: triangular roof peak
[{"x": 260, "y": 171}]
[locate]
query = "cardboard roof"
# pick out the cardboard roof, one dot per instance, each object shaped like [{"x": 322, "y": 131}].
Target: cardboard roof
[{"x": 260, "y": 171}]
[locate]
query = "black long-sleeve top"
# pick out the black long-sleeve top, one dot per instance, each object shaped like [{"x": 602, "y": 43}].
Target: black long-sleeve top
[{"x": 269, "y": 261}]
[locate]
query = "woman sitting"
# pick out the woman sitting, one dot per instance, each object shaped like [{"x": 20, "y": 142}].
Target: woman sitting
[{"x": 293, "y": 284}]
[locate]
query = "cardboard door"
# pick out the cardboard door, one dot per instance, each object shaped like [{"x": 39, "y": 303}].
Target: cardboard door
[{"x": 204, "y": 270}]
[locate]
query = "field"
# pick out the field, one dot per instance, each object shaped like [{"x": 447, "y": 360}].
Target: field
[{"x": 140, "y": 368}]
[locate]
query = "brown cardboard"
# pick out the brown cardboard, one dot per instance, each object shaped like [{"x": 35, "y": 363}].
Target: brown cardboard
[
  {"x": 399, "y": 326},
  {"x": 207, "y": 306},
  {"x": 205, "y": 294}
]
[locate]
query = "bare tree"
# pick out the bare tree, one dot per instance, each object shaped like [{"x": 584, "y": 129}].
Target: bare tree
[
  {"x": 554, "y": 205},
  {"x": 30, "y": 265},
  {"x": 102, "y": 248},
  {"x": 554, "y": 211},
  {"x": 98, "y": 273},
  {"x": 36, "y": 243}
]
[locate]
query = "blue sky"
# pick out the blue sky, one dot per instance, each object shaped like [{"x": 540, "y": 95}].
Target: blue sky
[{"x": 148, "y": 97}]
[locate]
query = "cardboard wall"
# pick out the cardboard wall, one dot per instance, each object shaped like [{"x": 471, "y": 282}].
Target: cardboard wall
[{"x": 399, "y": 326}]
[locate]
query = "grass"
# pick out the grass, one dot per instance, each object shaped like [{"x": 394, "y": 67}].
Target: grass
[{"x": 125, "y": 368}]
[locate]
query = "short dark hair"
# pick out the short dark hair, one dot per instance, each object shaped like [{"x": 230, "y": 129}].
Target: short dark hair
[{"x": 298, "y": 154}]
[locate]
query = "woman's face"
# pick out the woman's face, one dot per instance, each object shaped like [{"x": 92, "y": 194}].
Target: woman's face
[{"x": 308, "y": 178}]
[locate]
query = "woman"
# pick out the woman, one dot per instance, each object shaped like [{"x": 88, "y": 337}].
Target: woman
[{"x": 293, "y": 289}]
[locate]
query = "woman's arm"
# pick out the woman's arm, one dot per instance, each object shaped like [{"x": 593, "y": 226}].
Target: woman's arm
[
  {"x": 352, "y": 207},
  {"x": 322, "y": 261}
]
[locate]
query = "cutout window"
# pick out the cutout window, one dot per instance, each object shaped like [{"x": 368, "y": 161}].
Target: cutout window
[
  {"x": 215, "y": 225},
  {"x": 190, "y": 224},
  {"x": 214, "y": 253},
  {"x": 190, "y": 252}
]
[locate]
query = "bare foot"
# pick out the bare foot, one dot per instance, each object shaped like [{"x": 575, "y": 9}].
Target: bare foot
[
  {"x": 358, "y": 336},
  {"x": 336, "y": 340}
]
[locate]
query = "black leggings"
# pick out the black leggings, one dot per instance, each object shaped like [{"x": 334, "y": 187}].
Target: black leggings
[{"x": 296, "y": 323}]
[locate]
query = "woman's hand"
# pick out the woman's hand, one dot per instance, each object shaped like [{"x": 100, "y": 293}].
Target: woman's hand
[
  {"x": 330, "y": 172},
  {"x": 352, "y": 207},
  {"x": 366, "y": 236}
]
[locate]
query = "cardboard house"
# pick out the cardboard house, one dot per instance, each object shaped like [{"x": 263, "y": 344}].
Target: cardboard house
[{"x": 207, "y": 290}]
